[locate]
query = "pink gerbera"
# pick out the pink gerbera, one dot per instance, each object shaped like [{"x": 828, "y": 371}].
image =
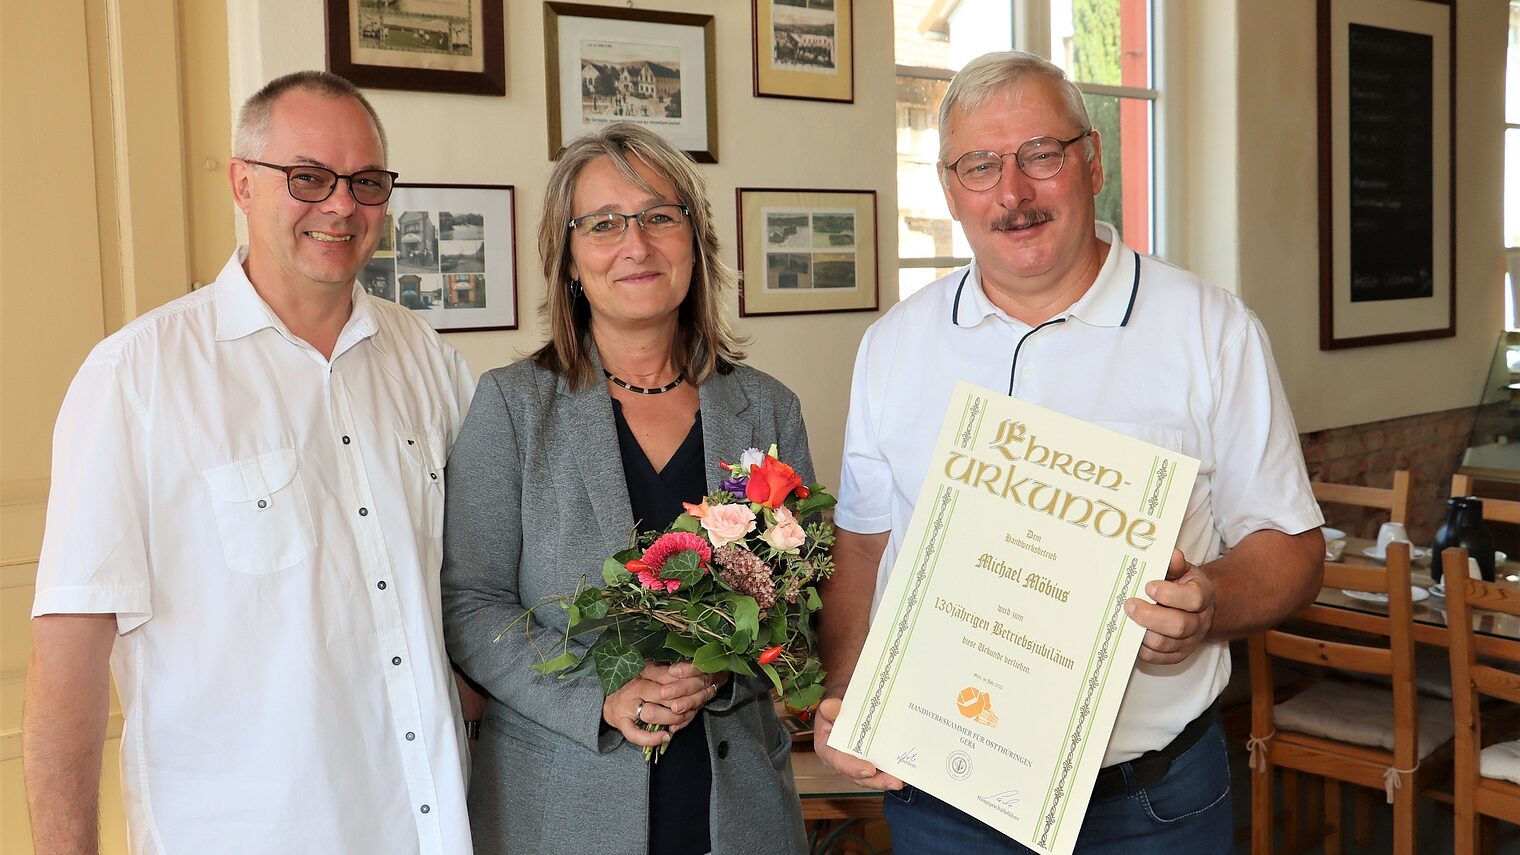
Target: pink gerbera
[{"x": 662, "y": 549}]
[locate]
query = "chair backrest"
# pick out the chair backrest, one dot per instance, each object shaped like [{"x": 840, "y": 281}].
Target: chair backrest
[
  {"x": 1393, "y": 499},
  {"x": 1494, "y": 510},
  {"x": 1395, "y": 661},
  {"x": 1469, "y": 677}
]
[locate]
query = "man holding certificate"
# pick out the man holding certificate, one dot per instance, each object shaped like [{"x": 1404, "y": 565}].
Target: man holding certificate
[{"x": 1056, "y": 311}]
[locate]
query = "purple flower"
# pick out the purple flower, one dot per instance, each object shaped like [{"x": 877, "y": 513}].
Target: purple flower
[{"x": 734, "y": 485}]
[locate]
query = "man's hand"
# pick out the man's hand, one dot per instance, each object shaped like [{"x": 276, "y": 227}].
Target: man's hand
[
  {"x": 848, "y": 766},
  {"x": 1182, "y": 616}
]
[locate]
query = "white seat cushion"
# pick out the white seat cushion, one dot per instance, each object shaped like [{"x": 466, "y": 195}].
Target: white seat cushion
[
  {"x": 1360, "y": 714},
  {"x": 1501, "y": 760}
]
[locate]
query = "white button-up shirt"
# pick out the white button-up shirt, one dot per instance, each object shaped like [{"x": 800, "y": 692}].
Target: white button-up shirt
[
  {"x": 1150, "y": 351},
  {"x": 266, "y": 526}
]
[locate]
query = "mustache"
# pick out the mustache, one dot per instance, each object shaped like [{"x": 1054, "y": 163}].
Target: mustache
[{"x": 1022, "y": 218}]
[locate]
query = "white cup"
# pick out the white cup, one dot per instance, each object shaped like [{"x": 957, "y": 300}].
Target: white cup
[
  {"x": 1391, "y": 532},
  {"x": 1473, "y": 570}
]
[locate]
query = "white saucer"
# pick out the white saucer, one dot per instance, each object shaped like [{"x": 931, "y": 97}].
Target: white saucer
[
  {"x": 1416, "y": 593},
  {"x": 1415, "y": 553}
]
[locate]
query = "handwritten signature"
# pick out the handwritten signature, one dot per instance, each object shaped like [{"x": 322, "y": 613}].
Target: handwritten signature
[
  {"x": 909, "y": 758},
  {"x": 1007, "y": 798}
]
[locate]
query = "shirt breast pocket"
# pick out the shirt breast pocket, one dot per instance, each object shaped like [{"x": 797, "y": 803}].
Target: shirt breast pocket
[
  {"x": 423, "y": 455},
  {"x": 262, "y": 512}
]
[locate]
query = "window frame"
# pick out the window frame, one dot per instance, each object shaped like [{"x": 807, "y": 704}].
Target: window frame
[{"x": 1031, "y": 33}]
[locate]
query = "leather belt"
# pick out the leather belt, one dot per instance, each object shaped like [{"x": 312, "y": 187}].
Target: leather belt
[{"x": 1149, "y": 768}]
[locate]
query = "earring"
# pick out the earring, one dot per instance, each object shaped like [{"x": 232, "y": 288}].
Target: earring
[{"x": 576, "y": 291}]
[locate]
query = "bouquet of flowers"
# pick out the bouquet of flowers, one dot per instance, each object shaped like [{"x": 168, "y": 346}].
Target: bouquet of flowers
[{"x": 731, "y": 586}]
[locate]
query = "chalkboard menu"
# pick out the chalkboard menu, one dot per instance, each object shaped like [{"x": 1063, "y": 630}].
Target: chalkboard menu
[{"x": 1392, "y": 164}]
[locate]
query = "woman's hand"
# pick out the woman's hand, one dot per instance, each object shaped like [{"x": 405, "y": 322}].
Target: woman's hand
[{"x": 665, "y": 695}]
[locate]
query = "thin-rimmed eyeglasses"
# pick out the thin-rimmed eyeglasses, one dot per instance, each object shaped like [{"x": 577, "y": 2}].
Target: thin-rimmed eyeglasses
[
  {"x": 309, "y": 183},
  {"x": 609, "y": 226},
  {"x": 1039, "y": 158}
]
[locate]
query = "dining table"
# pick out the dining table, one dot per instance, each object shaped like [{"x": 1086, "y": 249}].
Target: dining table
[{"x": 1492, "y": 631}]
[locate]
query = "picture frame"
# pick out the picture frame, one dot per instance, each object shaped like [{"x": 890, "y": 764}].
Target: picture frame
[
  {"x": 804, "y": 49},
  {"x": 1387, "y": 226},
  {"x": 807, "y": 251},
  {"x": 655, "y": 69},
  {"x": 449, "y": 253},
  {"x": 448, "y": 46}
]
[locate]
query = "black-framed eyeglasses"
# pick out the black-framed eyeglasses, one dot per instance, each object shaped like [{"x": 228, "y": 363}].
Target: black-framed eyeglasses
[
  {"x": 609, "y": 226},
  {"x": 309, "y": 183},
  {"x": 1038, "y": 158}
]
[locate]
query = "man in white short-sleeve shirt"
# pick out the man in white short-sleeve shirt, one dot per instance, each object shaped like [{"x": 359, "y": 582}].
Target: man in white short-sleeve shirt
[
  {"x": 1056, "y": 310},
  {"x": 245, "y": 522}
]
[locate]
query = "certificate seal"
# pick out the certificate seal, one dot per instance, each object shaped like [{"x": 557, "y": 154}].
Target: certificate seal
[{"x": 958, "y": 764}]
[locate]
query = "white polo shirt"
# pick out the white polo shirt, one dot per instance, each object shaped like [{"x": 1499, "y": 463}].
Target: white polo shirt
[
  {"x": 266, "y": 527},
  {"x": 1150, "y": 351}
]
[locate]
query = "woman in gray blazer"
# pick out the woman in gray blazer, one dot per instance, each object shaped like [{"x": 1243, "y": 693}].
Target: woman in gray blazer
[{"x": 614, "y": 422}]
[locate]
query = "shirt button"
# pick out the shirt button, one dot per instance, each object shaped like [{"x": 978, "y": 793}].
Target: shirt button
[
  {"x": 263, "y": 503},
  {"x": 425, "y": 808},
  {"x": 364, "y": 512},
  {"x": 346, "y": 440},
  {"x": 410, "y": 736},
  {"x": 433, "y": 475},
  {"x": 380, "y": 584},
  {"x": 395, "y": 660}
]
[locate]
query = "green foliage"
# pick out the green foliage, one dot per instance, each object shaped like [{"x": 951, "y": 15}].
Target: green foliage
[{"x": 616, "y": 663}]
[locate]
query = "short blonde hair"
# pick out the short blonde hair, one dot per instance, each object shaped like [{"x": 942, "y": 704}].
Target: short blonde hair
[
  {"x": 707, "y": 342},
  {"x": 993, "y": 74}
]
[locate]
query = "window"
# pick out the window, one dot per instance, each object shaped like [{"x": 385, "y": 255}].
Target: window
[{"x": 1106, "y": 46}]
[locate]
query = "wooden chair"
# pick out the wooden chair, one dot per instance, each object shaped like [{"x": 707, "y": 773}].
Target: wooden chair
[
  {"x": 1494, "y": 510},
  {"x": 1476, "y": 795},
  {"x": 1395, "y": 499},
  {"x": 1389, "y": 759}
]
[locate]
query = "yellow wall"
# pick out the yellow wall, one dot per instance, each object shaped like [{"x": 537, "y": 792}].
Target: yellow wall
[
  {"x": 1252, "y": 207},
  {"x": 94, "y": 158},
  {"x": 764, "y": 142}
]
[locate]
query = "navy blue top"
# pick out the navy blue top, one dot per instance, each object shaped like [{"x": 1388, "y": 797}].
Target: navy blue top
[{"x": 680, "y": 785}]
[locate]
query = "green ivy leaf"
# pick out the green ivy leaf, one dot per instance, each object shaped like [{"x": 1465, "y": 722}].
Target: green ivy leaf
[
  {"x": 613, "y": 572},
  {"x": 739, "y": 665},
  {"x": 806, "y": 697},
  {"x": 596, "y": 609},
  {"x": 563, "y": 662},
  {"x": 814, "y": 602},
  {"x": 775, "y": 627},
  {"x": 685, "y": 567},
  {"x": 616, "y": 663},
  {"x": 770, "y": 671},
  {"x": 711, "y": 658},
  {"x": 686, "y": 522},
  {"x": 681, "y": 645},
  {"x": 746, "y": 622}
]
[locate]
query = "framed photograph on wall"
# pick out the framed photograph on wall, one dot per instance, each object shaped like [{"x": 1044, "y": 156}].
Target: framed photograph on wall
[
  {"x": 804, "y": 49},
  {"x": 449, "y": 253},
  {"x": 655, "y": 69},
  {"x": 1387, "y": 171},
  {"x": 807, "y": 251},
  {"x": 423, "y": 45}
]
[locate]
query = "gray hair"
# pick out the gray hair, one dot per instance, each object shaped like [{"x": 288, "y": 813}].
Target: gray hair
[
  {"x": 994, "y": 74},
  {"x": 707, "y": 341},
  {"x": 253, "y": 123}
]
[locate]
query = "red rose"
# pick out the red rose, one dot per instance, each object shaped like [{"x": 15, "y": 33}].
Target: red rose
[{"x": 771, "y": 482}]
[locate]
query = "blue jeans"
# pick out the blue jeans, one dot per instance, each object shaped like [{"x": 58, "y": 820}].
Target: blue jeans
[{"x": 1188, "y": 811}]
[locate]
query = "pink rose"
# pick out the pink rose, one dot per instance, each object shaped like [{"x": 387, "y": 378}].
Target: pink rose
[
  {"x": 727, "y": 524},
  {"x": 786, "y": 535}
]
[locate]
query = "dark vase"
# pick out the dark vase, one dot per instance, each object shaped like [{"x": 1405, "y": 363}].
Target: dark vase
[{"x": 1464, "y": 527}]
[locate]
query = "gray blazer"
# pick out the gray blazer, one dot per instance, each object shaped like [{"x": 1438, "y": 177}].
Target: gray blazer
[{"x": 536, "y": 500}]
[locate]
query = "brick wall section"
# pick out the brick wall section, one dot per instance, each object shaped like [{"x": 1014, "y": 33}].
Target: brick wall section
[{"x": 1430, "y": 446}]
